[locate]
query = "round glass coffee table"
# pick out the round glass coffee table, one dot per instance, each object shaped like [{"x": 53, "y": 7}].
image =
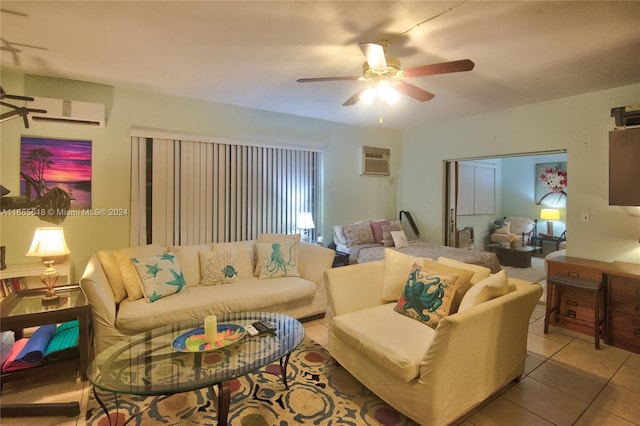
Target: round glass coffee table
[{"x": 153, "y": 364}]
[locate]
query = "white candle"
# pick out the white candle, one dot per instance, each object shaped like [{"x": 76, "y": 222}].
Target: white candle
[{"x": 210, "y": 328}]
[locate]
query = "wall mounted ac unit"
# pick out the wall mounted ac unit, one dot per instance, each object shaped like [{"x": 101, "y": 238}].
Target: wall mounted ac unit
[
  {"x": 71, "y": 112},
  {"x": 375, "y": 161}
]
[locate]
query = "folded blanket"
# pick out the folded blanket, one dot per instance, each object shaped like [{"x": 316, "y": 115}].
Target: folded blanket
[
  {"x": 33, "y": 352},
  {"x": 15, "y": 351},
  {"x": 64, "y": 344}
]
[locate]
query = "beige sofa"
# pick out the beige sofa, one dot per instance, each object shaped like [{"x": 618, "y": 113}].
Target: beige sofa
[
  {"x": 433, "y": 376},
  {"x": 113, "y": 287}
]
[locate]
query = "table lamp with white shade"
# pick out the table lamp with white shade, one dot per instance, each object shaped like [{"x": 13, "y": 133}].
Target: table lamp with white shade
[
  {"x": 550, "y": 215},
  {"x": 48, "y": 243},
  {"x": 305, "y": 222}
]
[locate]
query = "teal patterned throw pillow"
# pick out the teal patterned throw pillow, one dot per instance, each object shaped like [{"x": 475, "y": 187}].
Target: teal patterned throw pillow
[
  {"x": 427, "y": 295},
  {"x": 278, "y": 259},
  {"x": 160, "y": 275}
]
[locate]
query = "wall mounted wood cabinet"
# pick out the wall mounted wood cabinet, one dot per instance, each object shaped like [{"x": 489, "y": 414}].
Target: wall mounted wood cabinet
[{"x": 624, "y": 167}]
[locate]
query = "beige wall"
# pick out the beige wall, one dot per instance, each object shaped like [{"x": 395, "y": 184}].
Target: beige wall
[
  {"x": 578, "y": 124},
  {"x": 347, "y": 196}
]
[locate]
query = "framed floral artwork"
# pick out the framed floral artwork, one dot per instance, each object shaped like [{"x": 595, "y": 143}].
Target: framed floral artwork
[{"x": 551, "y": 184}]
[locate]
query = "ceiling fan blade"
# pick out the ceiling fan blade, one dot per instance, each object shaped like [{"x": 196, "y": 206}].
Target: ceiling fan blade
[
  {"x": 5, "y": 95},
  {"x": 374, "y": 53},
  {"x": 313, "y": 80},
  {"x": 355, "y": 98},
  {"x": 413, "y": 91},
  {"x": 441, "y": 68}
]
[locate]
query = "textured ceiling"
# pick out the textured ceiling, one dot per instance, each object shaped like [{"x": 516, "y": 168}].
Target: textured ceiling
[{"x": 251, "y": 53}]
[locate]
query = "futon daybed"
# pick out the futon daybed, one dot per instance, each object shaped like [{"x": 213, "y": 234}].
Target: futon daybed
[{"x": 368, "y": 245}]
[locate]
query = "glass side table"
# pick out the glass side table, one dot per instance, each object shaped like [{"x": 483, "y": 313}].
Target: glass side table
[{"x": 24, "y": 309}]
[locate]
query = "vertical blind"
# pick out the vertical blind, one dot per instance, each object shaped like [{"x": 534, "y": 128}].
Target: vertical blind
[{"x": 186, "y": 192}]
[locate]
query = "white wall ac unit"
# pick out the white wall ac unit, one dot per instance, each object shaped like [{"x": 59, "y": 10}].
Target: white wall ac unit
[
  {"x": 72, "y": 112},
  {"x": 375, "y": 161}
]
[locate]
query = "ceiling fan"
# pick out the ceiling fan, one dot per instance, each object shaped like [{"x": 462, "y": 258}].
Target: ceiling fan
[
  {"x": 16, "y": 111},
  {"x": 385, "y": 74}
]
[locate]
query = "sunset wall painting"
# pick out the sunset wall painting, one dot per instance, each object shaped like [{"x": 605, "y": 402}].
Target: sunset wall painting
[{"x": 46, "y": 163}]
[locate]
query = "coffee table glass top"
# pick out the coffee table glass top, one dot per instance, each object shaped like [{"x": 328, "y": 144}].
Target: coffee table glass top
[{"x": 147, "y": 364}]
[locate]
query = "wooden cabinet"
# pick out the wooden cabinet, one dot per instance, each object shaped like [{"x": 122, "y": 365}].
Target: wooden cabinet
[
  {"x": 624, "y": 151},
  {"x": 576, "y": 310},
  {"x": 573, "y": 270},
  {"x": 623, "y": 315},
  {"x": 622, "y": 307}
]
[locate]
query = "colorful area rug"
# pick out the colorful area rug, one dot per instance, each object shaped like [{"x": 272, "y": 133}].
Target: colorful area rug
[{"x": 320, "y": 393}]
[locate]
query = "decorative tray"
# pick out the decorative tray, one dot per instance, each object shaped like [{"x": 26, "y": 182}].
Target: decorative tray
[{"x": 193, "y": 341}]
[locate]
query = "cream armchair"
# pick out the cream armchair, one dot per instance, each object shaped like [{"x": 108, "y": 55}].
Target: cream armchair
[
  {"x": 514, "y": 228},
  {"x": 432, "y": 376}
]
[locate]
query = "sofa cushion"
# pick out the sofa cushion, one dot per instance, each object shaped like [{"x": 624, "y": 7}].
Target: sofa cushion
[
  {"x": 479, "y": 272},
  {"x": 520, "y": 225},
  {"x": 190, "y": 261},
  {"x": 463, "y": 283},
  {"x": 376, "y": 229},
  {"x": 129, "y": 274},
  {"x": 111, "y": 269},
  {"x": 338, "y": 235},
  {"x": 217, "y": 267},
  {"x": 397, "y": 266},
  {"x": 244, "y": 255},
  {"x": 359, "y": 233},
  {"x": 427, "y": 295},
  {"x": 249, "y": 294},
  {"x": 494, "y": 286},
  {"x": 160, "y": 275},
  {"x": 271, "y": 238},
  {"x": 502, "y": 227},
  {"x": 501, "y": 238},
  {"x": 387, "y": 239},
  {"x": 381, "y": 335},
  {"x": 278, "y": 259},
  {"x": 399, "y": 239}
]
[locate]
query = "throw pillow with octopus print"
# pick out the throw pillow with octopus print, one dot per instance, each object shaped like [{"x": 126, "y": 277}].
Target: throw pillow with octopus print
[{"x": 278, "y": 259}]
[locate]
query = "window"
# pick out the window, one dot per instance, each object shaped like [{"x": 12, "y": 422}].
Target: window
[{"x": 186, "y": 192}]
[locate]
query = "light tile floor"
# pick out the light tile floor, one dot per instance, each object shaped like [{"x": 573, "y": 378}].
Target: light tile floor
[{"x": 566, "y": 382}]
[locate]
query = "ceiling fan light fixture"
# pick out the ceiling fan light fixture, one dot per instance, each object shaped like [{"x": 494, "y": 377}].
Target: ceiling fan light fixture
[
  {"x": 368, "y": 95},
  {"x": 387, "y": 93},
  {"x": 386, "y": 78}
]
